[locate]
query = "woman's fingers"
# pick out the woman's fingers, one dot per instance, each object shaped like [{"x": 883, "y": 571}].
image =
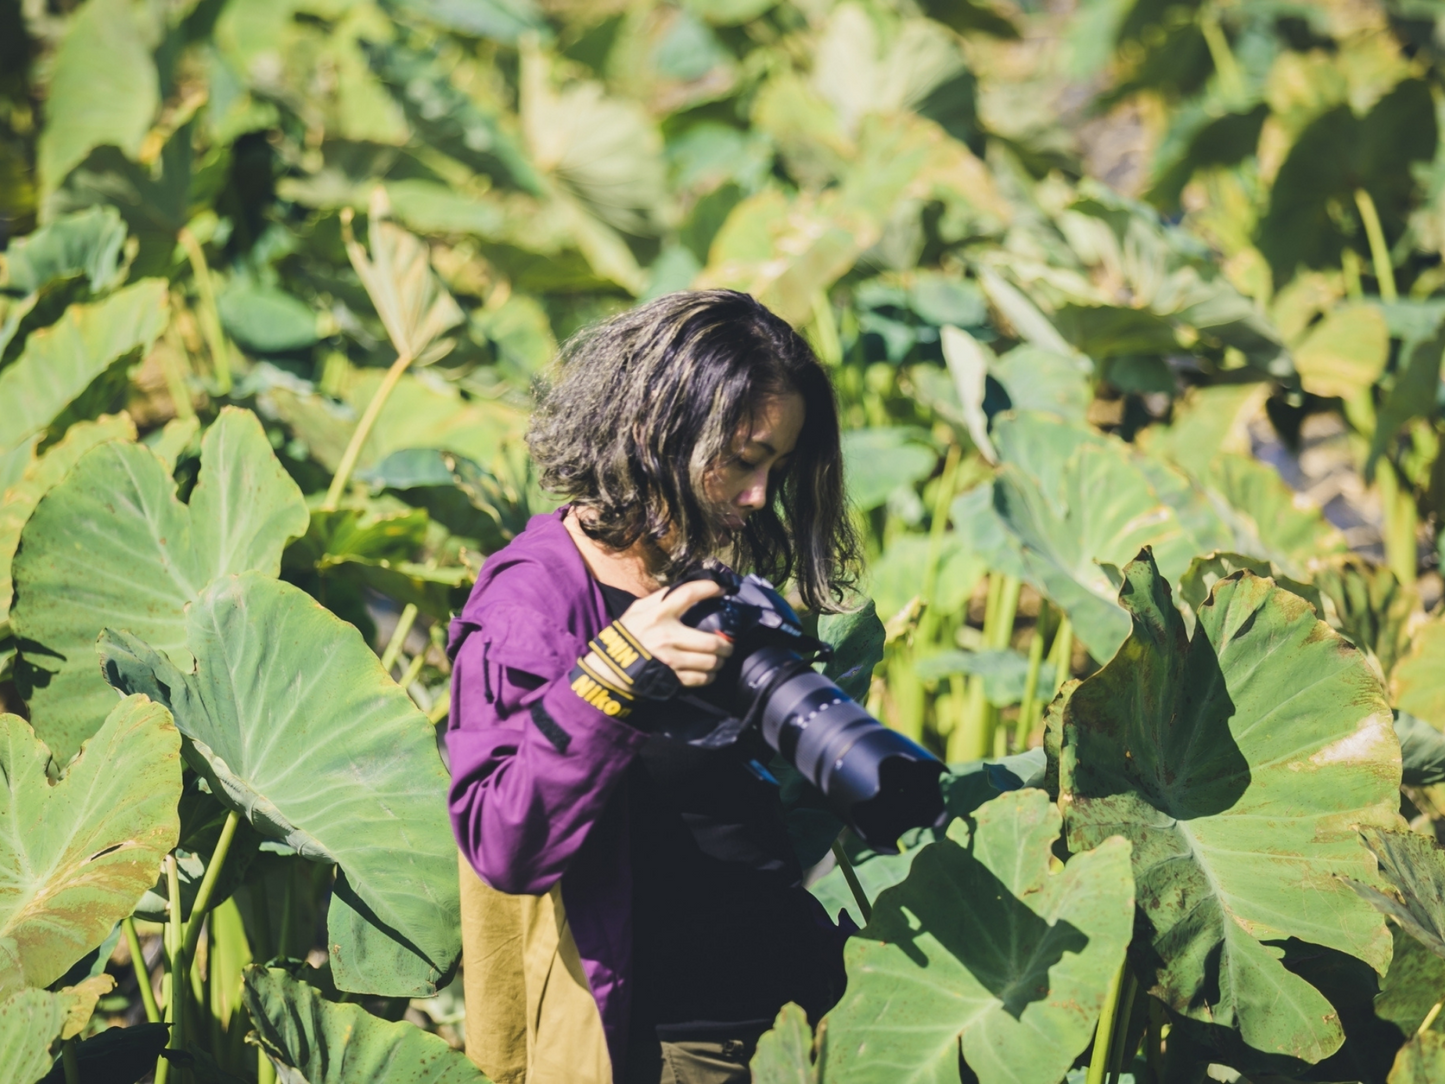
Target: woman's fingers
[{"x": 677, "y": 602}]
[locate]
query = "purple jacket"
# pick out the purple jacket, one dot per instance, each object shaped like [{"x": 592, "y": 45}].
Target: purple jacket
[{"x": 531, "y": 794}]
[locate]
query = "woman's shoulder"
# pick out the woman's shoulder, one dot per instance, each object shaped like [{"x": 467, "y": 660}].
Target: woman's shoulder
[{"x": 537, "y": 581}]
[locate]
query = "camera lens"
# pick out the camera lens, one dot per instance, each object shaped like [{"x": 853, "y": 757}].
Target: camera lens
[{"x": 875, "y": 778}]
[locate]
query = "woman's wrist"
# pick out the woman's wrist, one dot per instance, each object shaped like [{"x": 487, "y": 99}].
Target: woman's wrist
[{"x": 617, "y": 672}]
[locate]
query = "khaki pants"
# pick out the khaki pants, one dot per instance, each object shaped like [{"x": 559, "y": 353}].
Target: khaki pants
[{"x": 717, "y": 1062}]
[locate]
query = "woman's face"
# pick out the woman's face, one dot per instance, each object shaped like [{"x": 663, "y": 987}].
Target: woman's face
[{"x": 739, "y": 484}]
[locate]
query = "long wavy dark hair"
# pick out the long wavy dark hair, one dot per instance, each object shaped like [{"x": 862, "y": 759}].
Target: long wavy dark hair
[{"x": 645, "y": 404}]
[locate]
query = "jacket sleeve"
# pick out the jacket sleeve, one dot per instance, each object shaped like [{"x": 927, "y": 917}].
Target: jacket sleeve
[{"x": 533, "y": 764}]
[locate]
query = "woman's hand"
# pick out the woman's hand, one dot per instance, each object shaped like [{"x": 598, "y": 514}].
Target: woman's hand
[{"x": 694, "y": 656}]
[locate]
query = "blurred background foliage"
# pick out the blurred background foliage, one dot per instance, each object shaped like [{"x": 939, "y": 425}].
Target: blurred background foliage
[{"x": 1089, "y": 276}]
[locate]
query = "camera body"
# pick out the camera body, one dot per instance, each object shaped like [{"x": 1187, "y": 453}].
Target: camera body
[{"x": 875, "y": 779}]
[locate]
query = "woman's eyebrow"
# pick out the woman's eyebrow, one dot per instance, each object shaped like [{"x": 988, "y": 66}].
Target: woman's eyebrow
[{"x": 763, "y": 444}]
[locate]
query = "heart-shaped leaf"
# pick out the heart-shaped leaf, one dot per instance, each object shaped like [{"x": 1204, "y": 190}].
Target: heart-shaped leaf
[
  {"x": 982, "y": 945},
  {"x": 785, "y": 1054},
  {"x": 76, "y": 855},
  {"x": 293, "y": 723},
  {"x": 311, "y": 1039},
  {"x": 31, "y": 1020},
  {"x": 1239, "y": 764},
  {"x": 44, "y": 475},
  {"x": 1420, "y": 1061},
  {"x": 61, "y": 361},
  {"x": 112, "y": 546}
]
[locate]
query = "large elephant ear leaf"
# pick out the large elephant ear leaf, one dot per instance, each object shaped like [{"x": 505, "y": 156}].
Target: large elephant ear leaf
[
  {"x": 982, "y": 945},
  {"x": 112, "y": 546},
  {"x": 1414, "y": 866},
  {"x": 785, "y": 1054},
  {"x": 31, "y": 1020},
  {"x": 1420, "y": 1061},
  {"x": 857, "y": 640},
  {"x": 293, "y": 723},
  {"x": 1418, "y": 680},
  {"x": 61, "y": 361},
  {"x": 1238, "y": 763},
  {"x": 311, "y": 1039},
  {"x": 77, "y": 855}
]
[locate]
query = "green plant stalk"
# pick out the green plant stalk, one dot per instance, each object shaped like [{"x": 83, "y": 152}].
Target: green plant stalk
[
  {"x": 1350, "y": 267},
  {"x": 177, "y": 985},
  {"x": 1397, "y": 502},
  {"x": 398, "y": 637},
  {"x": 363, "y": 430},
  {"x": 1000, "y": 635},
  {"x": 825, "y": 331},
  {"x": 210, "y": 314},
  {"x": 208, "y": 884},
  {"x": 928, "y": 622},
  {"x": 265, "y": 1071},
  {"x": 1231, "y": 81},
  {"x": 969, "y": 738},
  {"x": 854, "y": 886},
  {"x": 175, "y": 378},
  {"x": 1154, "y": 1047},
  {"x": 1122, "y": 1019},
  {"x": 440, "y": 708},
  {"x": 1379, "y": 251},
  {"x": 1104, "y": 1030},
  {"x": 1429, "y": 1018},
  {"x": 907, "y": 692},
  {"x": 1028, "y": 708},
  {"x": 1062, "y": 654},
  {"x": 70, "y": 1061},
  {"x": 413, "y": 668},
  {"x": 142, "y": 976}
]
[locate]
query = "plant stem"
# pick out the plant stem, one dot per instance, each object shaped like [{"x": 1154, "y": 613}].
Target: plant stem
[
  {"x": 398, "y": 637},
  {"x": 413, "y": 668},
  {"x": 1379, "y": 251},
  {"x": 177, "y": 986},
  {"x": 70, "y": 1061},
  {"x": 830, "y": 347},
  {"x": 208, "y": 884},
  {"x": 210, "y": 314},
  {"x": 440, "y": 707},
  {"x": 1122, "y": 1020},
  {"x": 1230, "y": 79},
  {"x": 1104, "y": 1031},
  {"x": 1029, "y": 706},
  {"x": 854, "y": 886},
  {"x": 142, "y": 976},
  {"x": 363, "y": 430},
  {"x": 171, "y": 359},
  {"x": 265, "y": 1071},
  {"x": 1397, "y": 503},
  {"x": 1429, "y": 1018},
  {"x": 1062, "y": 654}
]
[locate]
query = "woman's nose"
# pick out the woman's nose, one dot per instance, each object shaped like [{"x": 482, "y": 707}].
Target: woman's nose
[{"x": 755, "y": 496}]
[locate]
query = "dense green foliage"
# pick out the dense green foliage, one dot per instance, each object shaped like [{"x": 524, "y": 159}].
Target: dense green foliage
[{"x": 1119, "y": 298}]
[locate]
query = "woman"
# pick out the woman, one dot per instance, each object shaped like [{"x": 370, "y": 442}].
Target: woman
[{"x": 632, "y": 906}]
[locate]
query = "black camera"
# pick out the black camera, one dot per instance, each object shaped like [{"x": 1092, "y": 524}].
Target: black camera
[{"x": 875, "y": 779}]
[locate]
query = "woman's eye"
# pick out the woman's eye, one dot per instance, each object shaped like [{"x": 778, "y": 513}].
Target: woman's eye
[{"x": 746, "y": 465}]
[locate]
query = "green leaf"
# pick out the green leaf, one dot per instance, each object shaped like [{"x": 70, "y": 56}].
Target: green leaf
[
  {"x": 857, "y": 640},
  {"x": 1415, "y": 981},
  {"x": 1066, "y": 504},
  {"x": 1041, "y": 380},
  {"x": 965, "y": 787},
  {"x": 1239, "y": 763},
  {"x": 104, "y": 88},
  {"x": 500, "y": 20},
  {"x": 1371, "y": 609},
  {"x": 88, "y": 242},
  {"x": 414, "y": 306},
  {"x": 326, "y": 1043},
  {"x": 1422, "y": 751},
  {"x": 1414, "y": 865},
  {"x": 1345, "y": 353},
  {"x": 60, "y": 362},
  {"x": 31, "y": 1020},
  {"x": 1204, "y": 572},
  {"x": 983, "y": 945},
  {"x": 1265, "y": 516},
  {"x": 40, "y": 478},
  {"x": 293, "y": 723},
  {"x": 1004, "y": 671},
  {"x": 1420, "y": 1061},
  {"x": 1417, "y": 683},
  {"x": 75, "y": 856},
  {"x": 878, "y": 461},
  {"x": 896, "y": 576},
  {"x": 265, "y": 319},
  {"x": 112, "y": 546},
  {"x": 785, "y": 1054}
]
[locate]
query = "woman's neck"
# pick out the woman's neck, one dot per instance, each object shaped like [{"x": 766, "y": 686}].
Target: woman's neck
[{"x": 630, "y": 569}]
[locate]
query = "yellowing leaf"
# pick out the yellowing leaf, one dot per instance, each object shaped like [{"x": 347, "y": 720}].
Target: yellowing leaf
[{"x": 1344, "y": 353}]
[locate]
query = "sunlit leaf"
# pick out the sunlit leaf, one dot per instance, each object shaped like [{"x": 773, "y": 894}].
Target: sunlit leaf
[
  {"x": 111, "y": 546},
  {"x": 293, "y": 723},
  {"x": 983, "y": 948},
  {"x": 104, "y": 89},
  {"x": 1240, "y": 764},
  {"x": 76, "y": 855},
  {"x": 320, "y": 1042},
  {"x": 1344, "y": 353},
  {"x": 1417, "y": 682},
  {"x": 87, "y": 242},
  {"x": 60, "y": 362}
]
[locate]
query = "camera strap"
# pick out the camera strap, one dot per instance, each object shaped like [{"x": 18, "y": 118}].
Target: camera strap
[{"x": 618, "y": 671}]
